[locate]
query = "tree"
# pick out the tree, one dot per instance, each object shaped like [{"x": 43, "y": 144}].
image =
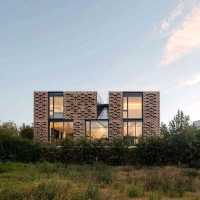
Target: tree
[
  {"x": 8, "y": 128},
  {"x": 26, "y": 131},
  {"x": 164, "y": 129},
  {"x": 179, "y": 123}
]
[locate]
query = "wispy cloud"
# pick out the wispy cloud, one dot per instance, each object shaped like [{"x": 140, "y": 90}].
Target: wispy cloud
[
  {"x": 183, "y": 39},
  {"x": 178, "y": 10},
  {"x": 195, "y": 80}
]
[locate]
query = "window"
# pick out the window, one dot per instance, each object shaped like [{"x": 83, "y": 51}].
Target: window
[
  {"x": 97, "y": 129},
  {"x": 56, "y": 107},
  {"x": 132, "y": 107},
  {"x": 60, "y": 130},
  {"x": 132, "y": 116},
  {"x": 133, "y": 130}
]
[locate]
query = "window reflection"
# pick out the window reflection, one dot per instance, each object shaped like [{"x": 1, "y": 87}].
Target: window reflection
[
  {"x": 134, "y": 107},
  {"x": 60, "y": 130},
  {"x": 132, "y": 130},
  {"x": 56, "y": 106},
  {"x": 97, "y": 129}
]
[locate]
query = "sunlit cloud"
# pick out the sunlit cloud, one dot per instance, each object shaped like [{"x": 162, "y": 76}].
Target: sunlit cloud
[
  {"x": 195, "y": 80},
  {"x": 184, "y": 39},
  {"x": 178, "y": 10}
]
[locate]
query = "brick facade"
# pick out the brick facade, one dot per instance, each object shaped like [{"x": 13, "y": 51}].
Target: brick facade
[
  {"x": 151, "y": 113},
  {"x": 81, "y": 106},
  {"x": 41, "y": 116},
  {"x": 115, "y": 115}
]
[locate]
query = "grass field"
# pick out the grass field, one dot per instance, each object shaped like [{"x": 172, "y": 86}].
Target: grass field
[{"x": 44, "y": 181}]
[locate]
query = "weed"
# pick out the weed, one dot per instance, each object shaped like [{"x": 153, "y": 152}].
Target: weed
[{"x": 135, "y": 191}]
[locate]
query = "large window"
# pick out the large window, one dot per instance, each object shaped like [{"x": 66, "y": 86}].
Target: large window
[
  {"x": 97, "y": 129},
  {"x": 133, "y": 130},
  {"x": 132, "y": 116},
  {"x": 56, "y": 107},
  {"x": 60, "y": 130},
  {"x": 132, "y": 107}
]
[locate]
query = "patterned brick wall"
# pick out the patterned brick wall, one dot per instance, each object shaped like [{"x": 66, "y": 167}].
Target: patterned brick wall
[
  {"x": 41, "y": 116},
  {"x": 151, "y": 113},
  {"x": 80, "y": 106},
  {"x": 115, "y": 115}
]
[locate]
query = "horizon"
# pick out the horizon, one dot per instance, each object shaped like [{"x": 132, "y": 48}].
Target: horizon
[{"x": 100, "y": 46}]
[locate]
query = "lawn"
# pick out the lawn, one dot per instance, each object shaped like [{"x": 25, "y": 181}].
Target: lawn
[{"x": 42, "y": 181}]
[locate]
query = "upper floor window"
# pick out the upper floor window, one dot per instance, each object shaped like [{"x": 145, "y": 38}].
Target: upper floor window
[
  {"x": 132, "y": 106},
  {"x": 56, "y": 106}
]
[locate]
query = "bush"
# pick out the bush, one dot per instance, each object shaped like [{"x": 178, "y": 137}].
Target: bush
[
  {"x": 135, "y": 191},
  {"x": 14, "y": 148},
  {"x": 92, "y": 193}
]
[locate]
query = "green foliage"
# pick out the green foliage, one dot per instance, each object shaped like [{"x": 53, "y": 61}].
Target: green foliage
[
  {"x": 14, "y": 148},
  {"x": 179, "y": 123},
  {"x": 135, "y": 191},
  {"x": 92, "y": 192},
  {"x": 155, "y": 196},
  {"x": 103, "y": 173},
  {"x": 26, "y": 132}
]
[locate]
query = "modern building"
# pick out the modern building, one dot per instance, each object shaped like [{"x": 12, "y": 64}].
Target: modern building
[{"x": 58, "y": 115}]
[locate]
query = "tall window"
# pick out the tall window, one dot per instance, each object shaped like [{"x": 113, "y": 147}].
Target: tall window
[
  {"x": 60, "y": 130},
  {"x": 56, "y": 106},
  {"x": 97, "y": 129},
  {"x": 133, "y": 130},
  {"x": 132, "y": 107},
  {"x": 132, "y": 116}
]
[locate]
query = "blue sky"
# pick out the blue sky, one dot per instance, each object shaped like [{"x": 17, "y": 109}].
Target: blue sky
[{"x": 99, "y": 45}]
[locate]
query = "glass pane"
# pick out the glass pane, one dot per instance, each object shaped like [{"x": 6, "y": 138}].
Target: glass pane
[
  {"x": 51, "y": 106},
  {"x": 58, "y": 130},
  {"x": 134, "y": 107},
  {"x": 99, "y": 129},
  {"x": 125, "y": 128},
  {"x": 58, "y": 107},
  {"x": 87, "y": 128},
  {"x": 68, "y": 129},
  {"x": 131, "y": 129},
  {"x": 125, "y": 114},
  {"x": 50, "y": 130},
  {"x": 124, "y": 103},
  {"x": 138, "y": 129}
]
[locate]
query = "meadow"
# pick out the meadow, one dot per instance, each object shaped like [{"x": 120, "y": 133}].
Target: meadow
[{"x": 58, "y": 181}]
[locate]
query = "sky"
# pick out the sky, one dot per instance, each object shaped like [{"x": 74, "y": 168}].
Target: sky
[{"x": 100, "y": 45}]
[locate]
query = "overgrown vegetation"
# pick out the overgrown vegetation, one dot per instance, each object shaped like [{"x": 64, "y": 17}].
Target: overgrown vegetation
[{"x": 57, "y": 181}]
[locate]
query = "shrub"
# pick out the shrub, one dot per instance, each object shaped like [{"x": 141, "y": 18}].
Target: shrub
[
  {"x": 11, "y": 194},
  {"x": 14, "y": 148},
  {"x": 155, "y": 196},
  {"x": 135, "y": 191},
  {"x": 103, "y": 173},
  {"x": 92, "y": 193}
]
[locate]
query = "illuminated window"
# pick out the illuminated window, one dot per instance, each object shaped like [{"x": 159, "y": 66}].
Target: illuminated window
[
  {"x": 56, "y": 106},
  {"x": 132, "y": 107},
  {"x": 97, "y": 129},
  {"x": 132, "y": 130},
  {"x": 60, "y": 130}
]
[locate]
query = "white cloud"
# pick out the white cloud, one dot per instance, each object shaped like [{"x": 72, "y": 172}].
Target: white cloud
[
  {"x": 166, "y": 23},
  {"x": 183, "y": 39},
  {"x": 191, "y": 82}
]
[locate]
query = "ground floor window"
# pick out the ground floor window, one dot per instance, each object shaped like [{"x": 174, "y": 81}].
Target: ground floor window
[
  {"x": 60, "y": 130},
  {"x": 97, "y": 129},
  {"x": 132, "y": 130}
]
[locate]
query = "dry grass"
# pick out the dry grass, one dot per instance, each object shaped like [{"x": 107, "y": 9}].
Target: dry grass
[{"x": 46, "y": 181}]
